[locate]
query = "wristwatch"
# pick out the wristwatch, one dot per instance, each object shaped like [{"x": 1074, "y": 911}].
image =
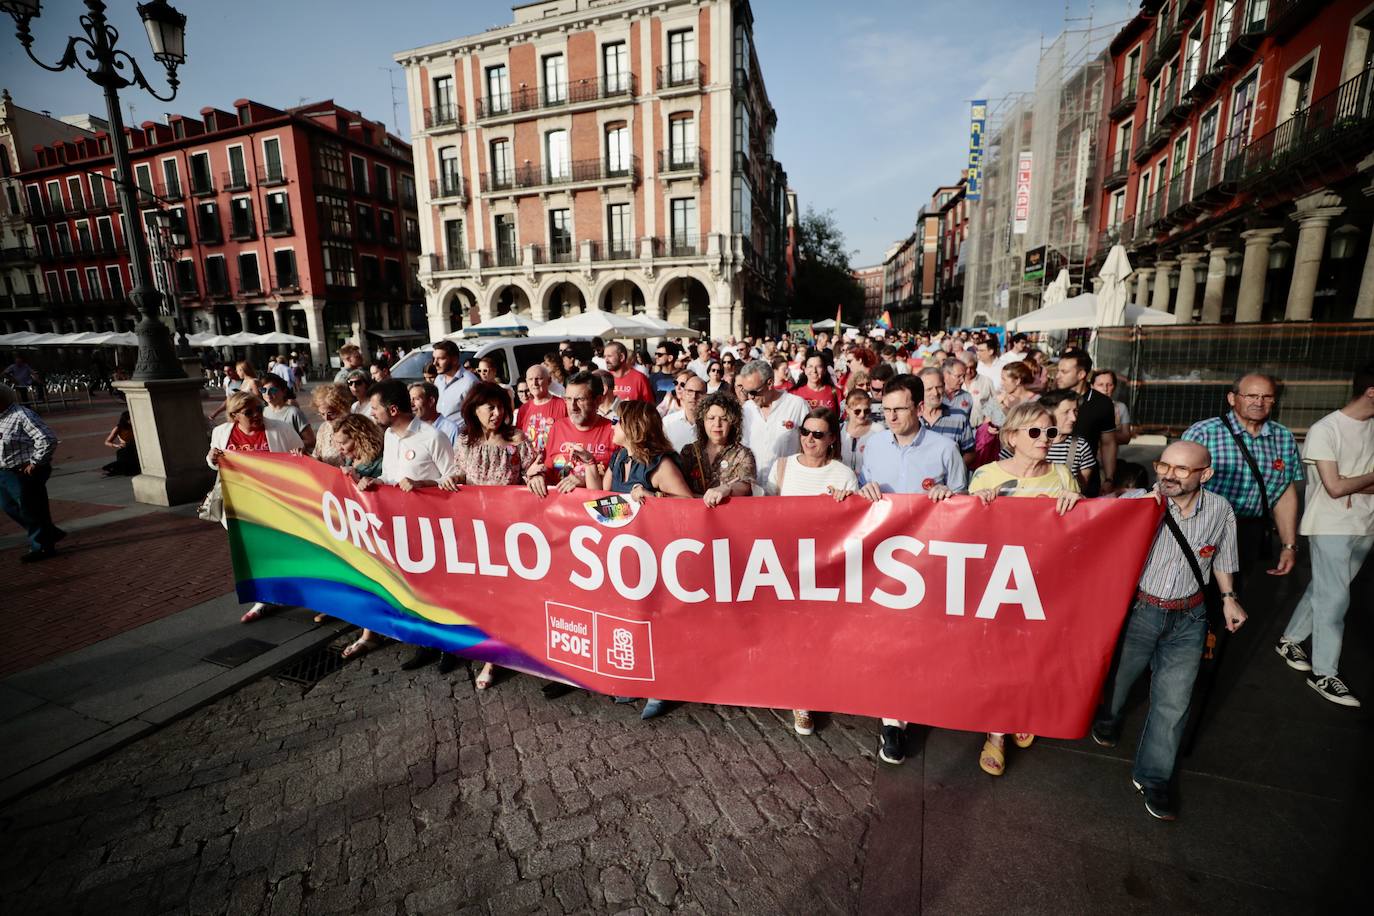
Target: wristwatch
[
  {"x": 1230, "y": 595},
  {"x": 1292, "y": 547}
]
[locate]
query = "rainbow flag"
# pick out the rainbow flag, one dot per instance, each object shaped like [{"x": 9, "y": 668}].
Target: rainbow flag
[{"x": 884, "y": 320}]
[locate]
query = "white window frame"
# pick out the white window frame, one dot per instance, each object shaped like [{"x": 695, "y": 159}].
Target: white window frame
[
  {"x": 681, "y": 68},
  {"x": 61, "y": 201},
  {"x": 93, "y": 283},
  {"x": 144, "y": 169},
  {"x": 619, "y": 155},
  {"x": 257, "y": 267},
  {"x": 118, "y": 288},
  {"x": 1116, "y": 213},
  {"x": 266, "y": 209},
  {"x": 1200, "y": 26},
  {"x": 281, "y": 161},
  {"x": 105, "y": 221},
  {"x": 295, "y": 265},
  {"x": 97, "y": 179},
  {"x": 353, "y": 173},
  {"x": 72, "y": 279},
  {"x": 77, "y": 237},
  {"x": 78, "y": 200},
  {"x": 233, "y": 203},
  {"x": 209, "y": 168},
  {"x": 176, "y": 174},
  {"x": 558, "y": 166},
  {"x": 381, "y": 168},
  {"x": 229, "y": 161},
  {"x": 554, "y": 86},
  {"x": 228, "y": 287},
  {"x": 1314, "y": 58},
  {"x": 497, "y": 103},
  {"x": 687, "y": 152},
  {"x": 617, "y": 80}
]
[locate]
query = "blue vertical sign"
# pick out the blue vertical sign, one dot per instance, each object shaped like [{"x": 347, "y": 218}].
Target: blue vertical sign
[{"x": 978, "y": 120}]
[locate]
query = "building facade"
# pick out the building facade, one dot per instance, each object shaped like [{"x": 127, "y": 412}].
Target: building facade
[
  {"x": 21, "y": 282},
  {"x": 949, "y": 263},
  {"x": 614, "y": 154},
  {"x": 871, "y": 280},
  {"x": 1239, "y": 159},
  {"x": 899, "y": 280},
  {"x": 303, "y": 221}
]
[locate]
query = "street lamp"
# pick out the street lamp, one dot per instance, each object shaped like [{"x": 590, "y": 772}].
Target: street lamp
[
  {"x": 112, "y": 69},
  {"x": 169, "y": 243}
]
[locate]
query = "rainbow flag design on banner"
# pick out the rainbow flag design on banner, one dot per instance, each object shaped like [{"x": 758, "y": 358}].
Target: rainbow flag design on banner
[{"x": 283, "y": 554}]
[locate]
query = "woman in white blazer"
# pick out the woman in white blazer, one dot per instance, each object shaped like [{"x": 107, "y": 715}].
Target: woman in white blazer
[{"x": 249, "y": 431}]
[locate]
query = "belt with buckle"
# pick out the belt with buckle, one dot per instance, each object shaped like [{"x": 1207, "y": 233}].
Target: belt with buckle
[{"x": 1170, "y": 604}]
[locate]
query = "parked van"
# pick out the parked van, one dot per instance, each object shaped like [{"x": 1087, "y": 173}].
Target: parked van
[{"x": 513, "y": 356}]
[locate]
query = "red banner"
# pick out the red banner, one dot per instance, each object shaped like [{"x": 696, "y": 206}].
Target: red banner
[{"x": 959, "y": 615}]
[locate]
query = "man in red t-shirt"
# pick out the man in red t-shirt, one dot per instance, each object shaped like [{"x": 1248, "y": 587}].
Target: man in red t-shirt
[
  {"x": 537, "y": 415},
  {"x": 630, "y": 383},
  {"x": 817, "y": 391},
  {"x": 578, "y": 444}
]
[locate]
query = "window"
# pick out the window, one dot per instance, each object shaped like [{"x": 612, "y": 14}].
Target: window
[
  {"x": 1118, "y": 210},
  {"x": 408, "y": 192},
  {"x": 618, "y": 230},
  {"x": 1155, "y": 101},
  {"x": 1195, "y": 56},
  {"x": 278, "y": 213},
  {"x": 83, "y": 237},
  {"x": 367, "y": 226},
  {"x": 143, "y": 178},
  {"x": 1143, "y": 194},
  {"x": 73, "y": 281},
  {"x": 453, "y": 244},
  {"x": 180, "y": 231},
  {"x": 284, "y": 266},
  {"x": 238, "y": 170},
  {"x": 74, "y": 193},
  {"x": 13, "y": 199},
  {"x": 555, "y": 79},
  {"x": 556, "y": 155},
  {"x": 391, "y": 278},
  {"x": 1297, "y": 91},
  {"x": 682, "y": 142},
  {"x": 412, "y": 233},
  {"x": 450, "y": 172},
  {"x": 241, "y": 218},
  {"x": 55, "y": 198},
  {"x": 338, "y": 264},
  {"x": 615, "y": 62},
  {"x": 97, "y": 191},
  {"x": 1224, "y": 13},
  {"x": 335, "y": 217},
  {"x": 54, "y": 286},
  {"x": 741, "y": 207},
  {"x": 93, "y": 282},
  {"x": 1180, "y": 155},
  {"x": 682, "y": 56},
  {"x": 498, "y": 89},
  {"x": 171, "y": 179},
  {"x": 359, "y": 166},
  {"x": 186, "y": 277},
  {"x": 104, "y": 228},
  {"x": 1242, "y": 114},
  {"x": 249, "y": 281},
  {"x": 114, "y": 280},
  {"x": 201, "y": 182},
  {"x": 741, "y": 131},
  {"x": 40, "y": 236},
  {"x": 560, "y": 235},
  {"x": 618, "y": 150},
  {"x": 383, "y": 185},
  {"x": 387, "y": 226},
  {"x": 501, "y": 176},
  {"x": 271, "y": 160},
  {"x": 1123, "y": 145},
  {"x": 64, "y": 239},
  {"x": 329, "y": 166},
  {"x": 368, "y": 273},
  {"x": 216, "y": 276},
  {"x": 1132, "y": 71},
  {"x": 444, "y": 108},
  {"x": 684, "y": 225},
  {"x": 207, "y": 224},
  {"x": 505, "y": 240}
]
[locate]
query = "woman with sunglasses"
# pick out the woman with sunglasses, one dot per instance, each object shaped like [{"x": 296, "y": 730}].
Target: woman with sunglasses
[
  {"x": 249, "y": 431},
  {"x": 1027, "y": 433},
  {"x": 859, "y": 424},
  {"x": 815, "y": 471},
  {"x": 715, "y": 376},
  {"x": 717, "y": 464},
  {"x": 275, "y": 392}
]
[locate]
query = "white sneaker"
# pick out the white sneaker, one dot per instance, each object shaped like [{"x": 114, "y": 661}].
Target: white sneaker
[
  {"x": 801, "y": 722},
  {"x": 1293, "y": 654},
  {"x": 1333, "y": 689}
]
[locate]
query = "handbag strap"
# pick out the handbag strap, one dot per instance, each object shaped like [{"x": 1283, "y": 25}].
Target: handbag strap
[
  {"x": 1250, "y": 460},
  {"x": 1185, "y": 546}
]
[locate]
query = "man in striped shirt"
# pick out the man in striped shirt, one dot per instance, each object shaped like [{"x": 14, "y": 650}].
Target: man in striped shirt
[
  {"x": 1167, "y": 626},
  {"x": 27, "y": 446}
]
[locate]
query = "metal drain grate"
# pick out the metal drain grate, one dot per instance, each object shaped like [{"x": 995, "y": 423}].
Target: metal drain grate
[
  {"x": 308, "y": 669},
  {"x": 236, "y": 653}
]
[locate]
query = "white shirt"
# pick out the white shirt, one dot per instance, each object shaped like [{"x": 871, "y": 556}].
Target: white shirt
[
  {"x": 699, "y": 367},
  {"x": 360, "y": 407},
  {"x": 852, "y": 450},
  {"x": 776, "y": 435},
  {"x": 800, "y": 480},
  {"x": 289, "y": 414},
  {"x": 680, "y": 431},
  {"x": 993, "y": 373},
  {"x": 982, "y": 392},
  {"x": 452, "y": 392},
  {"x": 283, "y": 372},
  {"x": 1350, "y": 443},
  {"x": 419, "y": 452},
  {"x": 1011, "y": 356}
]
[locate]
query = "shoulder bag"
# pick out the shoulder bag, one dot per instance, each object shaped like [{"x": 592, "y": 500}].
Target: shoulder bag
[{"x": 1270, "y": 530}]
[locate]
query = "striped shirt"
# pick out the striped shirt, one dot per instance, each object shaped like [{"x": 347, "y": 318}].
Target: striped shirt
[
  {"x": 1210, "y": 531},
  {"x": 1273, "y": 449},
  {"x": 24, "y": 439},
  {"x": 954, "y": 424}
]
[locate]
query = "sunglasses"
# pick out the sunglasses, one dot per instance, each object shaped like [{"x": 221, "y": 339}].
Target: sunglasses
[
  {"x": 751, "y": 393},
  {"x": 814, "y": 433},
  {"x": 876, "y": 389},
  {"x": 1051, "y": 432},
  {"x": 715, "y": 369},
  {"x": 357, "y": 381},
  {"x": 250, "y": 412},
  {"x": 270, "y": 390}
]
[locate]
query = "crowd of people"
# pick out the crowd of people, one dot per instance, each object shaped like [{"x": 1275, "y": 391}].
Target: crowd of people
[{"x": 928, "y": 414}]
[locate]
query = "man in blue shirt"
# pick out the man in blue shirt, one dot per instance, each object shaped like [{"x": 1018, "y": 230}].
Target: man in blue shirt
[
  {"x": 907, "y": 458},
  {"x": 453, "y": 381}
]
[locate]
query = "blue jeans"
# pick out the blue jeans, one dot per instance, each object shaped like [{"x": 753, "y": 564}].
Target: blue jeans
[
  {"x": 1170, "y": 643},
  {"x": 1336, "y": 560},
  {"x": 24, "y": 497}
]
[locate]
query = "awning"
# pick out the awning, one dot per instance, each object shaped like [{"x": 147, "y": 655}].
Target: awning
[{"x": 397, "y": 335}]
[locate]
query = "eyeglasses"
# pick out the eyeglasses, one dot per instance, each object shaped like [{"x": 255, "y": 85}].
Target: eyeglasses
[
  {"x": 1163, "y": 469},
  {"x": 750, "y": 393},
  {"x": 1266, "y": 398},
  {"x": 1050, "y": 432},
  {"x": 894, "y": 411},
  {"x": 715, "y": 369},
  {"x": 814, "y": 433}
]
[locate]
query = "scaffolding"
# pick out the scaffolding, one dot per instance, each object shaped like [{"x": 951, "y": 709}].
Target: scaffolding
[{"x": 1058, "y": 124}]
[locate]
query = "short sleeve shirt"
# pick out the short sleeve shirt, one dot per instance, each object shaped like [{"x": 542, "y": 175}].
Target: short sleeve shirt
[
  {"x": 535, "y": 420},
  {"x": 1350, "y": 444},
  {"x": 633, "y": 386},
  {"x": 1274, "y": 451},
  {"x": 1096, "y": 416},
  {"x": 565, "y": 440}
]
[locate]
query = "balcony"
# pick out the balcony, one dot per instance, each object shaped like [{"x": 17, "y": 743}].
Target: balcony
[
  {"x": 234, "y": 181},
  {"x": 1174, "y": 105},
  {"x": 1335, "y": 130},
  {"x": 682, "y": 162},
  {"x": 286, "y": 283},
  {"x": 560, "y": 252},
  {"x": 269, "y": 177},
  {"x": 1235, "y": 41},
  {"x": 25, "y": 300},
  {"x": 16, "y": 254},
  {"x": 577, "y": 95},
  {"x": 453, "y": 259},
  {"x": 1181, "y": 206},
  {"x": 588, "y": 172},
  {"x": 204, "y": 188},
  {"x": 1286, "y": 15},
  {"x": 683, "y": 76},
  {"x": 443, "y": 117},
  {"x": 621, "y": 250},
  {"x": 1123, "y": 98},
  {"x": 501, "y": 256},
  {"x": 450, "y": 187},
  {"x": 1215, "y": 174},
  {"x": 1119, "y": 170},
  {"x": 278, "y": 227},
  {"x": 243, "y": 229},
  {"x": 679, "y": 245},
  {"x": 172, "y": 193}
]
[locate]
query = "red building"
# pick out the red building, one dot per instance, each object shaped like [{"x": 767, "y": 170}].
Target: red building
[
  {"x": 871, "y": 280},
  {"x": 952, "y": 208},
  {"x": 1238, "y": 157},
  {"x": 302, "y": 220}
]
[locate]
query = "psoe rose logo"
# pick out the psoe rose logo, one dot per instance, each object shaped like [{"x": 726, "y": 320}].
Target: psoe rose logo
[
  {"x": 1207, "y": 551},
  {"x": 1278, "y": 464}
]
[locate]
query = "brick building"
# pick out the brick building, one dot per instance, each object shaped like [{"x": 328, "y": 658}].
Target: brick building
[
  {"x": 614, "y": 154},
  {"x": 871, "y": 279},
  {"x": 303, "y": 220},
  {"x": 1237, "y": 158},
  {"x": 899, "y": 281},
  {"x": 952, "y": 210}
]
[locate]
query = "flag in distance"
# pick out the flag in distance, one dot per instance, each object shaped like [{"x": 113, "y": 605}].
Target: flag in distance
[
  {"x": 839, "y": 321},
  {"x": 884, "y": 320}
]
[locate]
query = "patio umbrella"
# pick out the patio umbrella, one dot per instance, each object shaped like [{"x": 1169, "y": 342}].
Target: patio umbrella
[
  {"x": 664, "y": 328},
  {"x": 509, "y": 325},
  {"x": 280, "y": 337},
  {"x": 598, "y": 323},
  {"x": 28, "y": 339},
  {"x": 1081, "y": 312},
  {"x": 1057, "y": 291},
  {"x": 1112, "y": 298}
]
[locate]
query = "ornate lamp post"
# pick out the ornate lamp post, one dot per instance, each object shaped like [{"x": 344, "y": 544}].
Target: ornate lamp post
[
  {"x": 164, "y": 404},
  {"x": 112, "y": 69}
]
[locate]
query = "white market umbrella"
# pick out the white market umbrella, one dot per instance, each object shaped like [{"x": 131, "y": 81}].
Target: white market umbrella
[
  {"x": 509, "y": 324},
  {"x": 1081, "y": 312},
  {"x": 664, "y": 328},
  {"x": 829, "y": 325},
  {"x": 279, "y": 337},
  {"x": 28, "y": 339},
  {"x": 598, "y": 323},
  {"x": 201, "y": 339},
  {"x": 1057, "y": 291},
  {"x": 1113, "y": 296}
]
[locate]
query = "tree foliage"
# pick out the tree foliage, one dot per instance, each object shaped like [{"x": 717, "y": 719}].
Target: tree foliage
[{"x": 824, "y": 277}]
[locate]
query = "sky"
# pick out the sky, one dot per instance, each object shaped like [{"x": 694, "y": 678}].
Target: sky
[{"x": 872, "y": 95}]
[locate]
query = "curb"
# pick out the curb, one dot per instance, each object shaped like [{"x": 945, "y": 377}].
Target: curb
[{"x": 166, "y": 712}]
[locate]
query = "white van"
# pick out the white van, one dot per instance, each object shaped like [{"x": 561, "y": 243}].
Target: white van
[{"x": 513, "y": 355}]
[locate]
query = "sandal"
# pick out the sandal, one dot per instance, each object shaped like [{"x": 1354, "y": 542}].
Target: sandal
[
  {"x": 1023, "y": 739},
  {"x": 485, "y": 677},
  {"x": 993, "y": 760},
  {"x": 362, "y": 645}
]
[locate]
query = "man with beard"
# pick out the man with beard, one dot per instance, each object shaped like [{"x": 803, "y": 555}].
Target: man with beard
[{"x": 579, "y": 446}]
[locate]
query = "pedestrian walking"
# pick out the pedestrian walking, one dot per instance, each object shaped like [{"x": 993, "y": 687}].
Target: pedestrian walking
[{"x": 27, "y": 447}]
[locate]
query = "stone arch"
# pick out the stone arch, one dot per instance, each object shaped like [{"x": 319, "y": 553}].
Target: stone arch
[
  {"x": 508, "y": 294},
  {"x": 684, "y": 297},
  {"x": 613, "y": 290},
  {"x": 557, "y": 291},
  {"x": 459, "y": 304}
]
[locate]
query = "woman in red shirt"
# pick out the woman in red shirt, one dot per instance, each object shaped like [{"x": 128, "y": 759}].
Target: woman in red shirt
[{"x": 817, "y": 391}]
